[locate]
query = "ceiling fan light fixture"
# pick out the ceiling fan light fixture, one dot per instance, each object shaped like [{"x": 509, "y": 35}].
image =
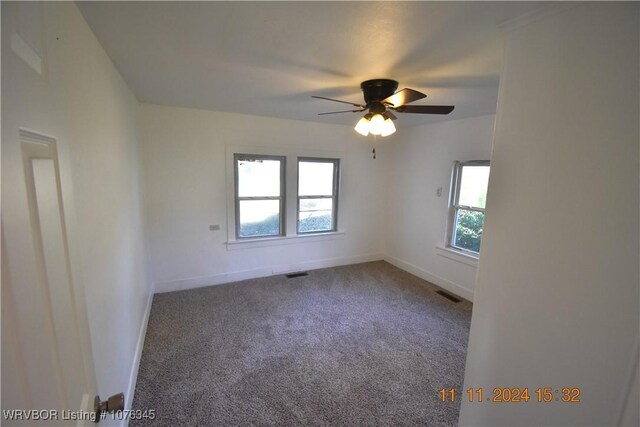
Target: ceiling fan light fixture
[
  {"x": 382, "y": 101},
  {"x": 377, "y": 124},
  {"x": 362, "y": 127},
  {"x": 388, "y": 128}
]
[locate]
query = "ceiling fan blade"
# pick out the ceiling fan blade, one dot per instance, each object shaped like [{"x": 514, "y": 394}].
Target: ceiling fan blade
[
  {"x": 337, "y": 100},
  {"x": 345, "y": 111},
  {"x": 426, "y": 109},
  {"x": 403, "y": 97},
  {"x": 390, "y": 115}
]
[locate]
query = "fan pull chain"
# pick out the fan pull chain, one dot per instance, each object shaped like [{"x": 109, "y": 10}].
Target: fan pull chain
[{"x": 375, "y": 139}]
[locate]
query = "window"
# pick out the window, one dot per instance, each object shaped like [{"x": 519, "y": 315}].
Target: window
[
  {"x": 265, "y": 212},
  {"x": 259, "y": 195},
  {"x": 317, "y": 194},
  {"x": 468, "y": 198}
]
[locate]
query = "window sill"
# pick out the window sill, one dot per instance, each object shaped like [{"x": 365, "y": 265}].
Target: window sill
[
  {"x": 261, "y": 242},
  {"x": 456, "y": 255}
]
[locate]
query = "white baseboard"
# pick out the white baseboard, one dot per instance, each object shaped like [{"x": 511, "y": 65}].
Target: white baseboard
[
  {"x": 454, "y": 288},
  {"x": 142, "y": 333},
  {"x": 218, "y": 279},
  {"x": 222, "y": 278}
]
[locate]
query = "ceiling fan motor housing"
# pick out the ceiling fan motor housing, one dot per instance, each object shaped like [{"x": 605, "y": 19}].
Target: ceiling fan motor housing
[{"x": 378, "y": 89}]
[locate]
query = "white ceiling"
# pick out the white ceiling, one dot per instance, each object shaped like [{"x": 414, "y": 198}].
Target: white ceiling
[{"x": 268, "y": 58}]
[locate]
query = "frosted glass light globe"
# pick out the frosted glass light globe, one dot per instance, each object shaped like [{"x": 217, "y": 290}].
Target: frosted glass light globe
[{"x": 377, "y": 124}]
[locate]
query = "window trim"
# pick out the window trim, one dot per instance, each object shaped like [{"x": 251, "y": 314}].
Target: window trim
[
  {"x": 282, "y": 198},
  {"x": 334, "y": 196},
  {"x": 454, "y": 205}
]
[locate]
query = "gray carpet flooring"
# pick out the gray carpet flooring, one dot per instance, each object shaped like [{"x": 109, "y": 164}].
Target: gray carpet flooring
[{"x": 365, "y": 344}]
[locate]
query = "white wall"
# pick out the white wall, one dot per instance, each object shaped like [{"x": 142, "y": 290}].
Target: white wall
[
  {"x": 421, "y": 161},
  {"x": 84, "y": 103},
  {"x": 557, "y": 296},
  {"x": 187, "y": 183},
  {"x": 186, "y": 191}
]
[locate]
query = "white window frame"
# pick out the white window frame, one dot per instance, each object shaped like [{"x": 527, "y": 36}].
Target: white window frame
[
  {"x": 291, "y": 152},
  {"x": 333, "y": 196},
  {"x": 237, "y": 157},
  {"x": 454, "y": 204}
]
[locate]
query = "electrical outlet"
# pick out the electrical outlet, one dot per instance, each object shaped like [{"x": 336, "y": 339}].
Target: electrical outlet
[
  {"x": 214, "y": 227},
  {"x": 439, "y": 192}
]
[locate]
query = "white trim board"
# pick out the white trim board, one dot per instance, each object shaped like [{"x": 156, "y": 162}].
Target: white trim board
[
  {"x": 454, "y": 288},
  {"x": 250, "y": 243},
  {"x": 133, "y": 376},
  {"x": 457, "y": 256},
  {"x": 235, "y": 276}
]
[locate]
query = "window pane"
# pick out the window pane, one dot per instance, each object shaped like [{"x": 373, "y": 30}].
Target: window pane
[
  {"x": 315, "y": 178},
  {"x": 315, "y": 215},
  {"x": 473, "y": 186},
  {"x": 468, "y": 230},
  {"x": 259, "y": 218},
  {"x": 259, "y": 178},
  {"x": 315, "y": 204}
]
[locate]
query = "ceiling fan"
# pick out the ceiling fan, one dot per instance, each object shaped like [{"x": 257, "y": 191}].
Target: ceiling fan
[{"x": 381, "y": 99}]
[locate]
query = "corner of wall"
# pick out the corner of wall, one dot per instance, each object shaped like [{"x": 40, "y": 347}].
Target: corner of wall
[{"x": 450, "y": 286}]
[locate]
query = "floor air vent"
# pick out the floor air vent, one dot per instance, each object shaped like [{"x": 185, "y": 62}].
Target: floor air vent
[
  {"x": 448, "y": 296},
  {"x": 298, "y": 274}
]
